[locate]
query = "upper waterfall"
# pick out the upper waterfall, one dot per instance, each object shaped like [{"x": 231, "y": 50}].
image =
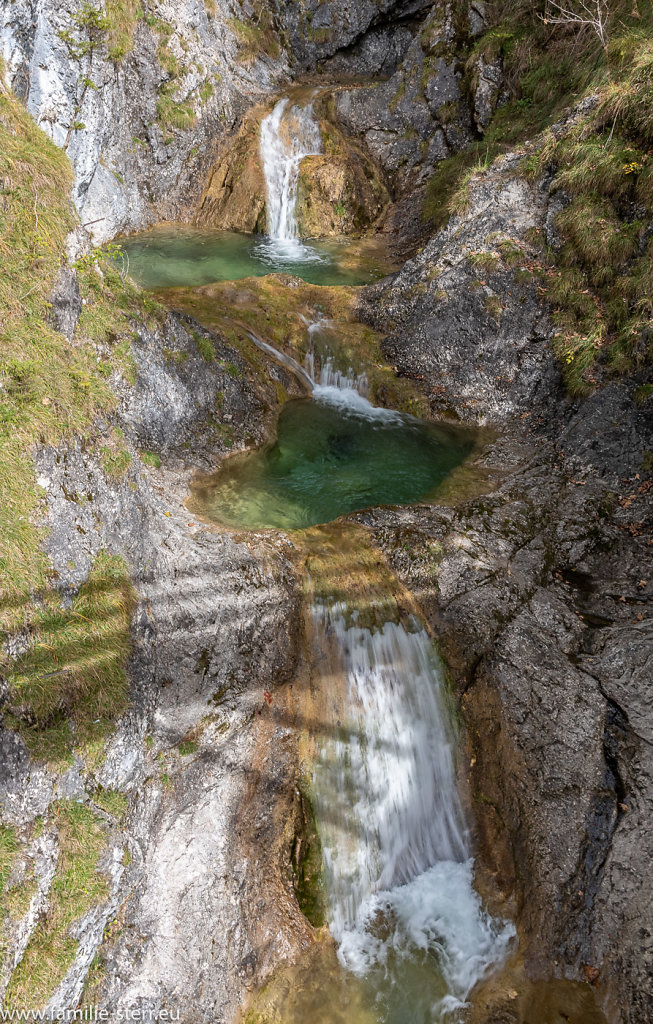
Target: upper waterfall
[{"x": 288, "y": 134}]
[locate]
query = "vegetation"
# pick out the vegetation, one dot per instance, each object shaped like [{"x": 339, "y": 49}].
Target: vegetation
[
  {"x": 69, "y": 685},
  {"x": 52, "y": 390},
  {"x": 256, "y": 37},
  {"x": 77, "y": 886},
  {"x": 122, "y": 18},
  {"x": 600, "y": 280}
]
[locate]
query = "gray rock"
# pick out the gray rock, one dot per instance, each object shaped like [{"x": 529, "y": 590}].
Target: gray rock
[
  {"x": 461, "y": 319},
  {"x": 66, "y": 303},
  {"x": 131, "y": 166}
]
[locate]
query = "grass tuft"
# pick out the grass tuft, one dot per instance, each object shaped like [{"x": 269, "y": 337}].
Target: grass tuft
[
  {"x": 78, "y": 885},
  {"x": 68, "y": 687}
]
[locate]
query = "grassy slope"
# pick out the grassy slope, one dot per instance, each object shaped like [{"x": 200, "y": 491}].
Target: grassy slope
[
  {"x": 69, "y": 683},
  {"x": 52, "y": 390},
  {"x": 601, "y": 281}
]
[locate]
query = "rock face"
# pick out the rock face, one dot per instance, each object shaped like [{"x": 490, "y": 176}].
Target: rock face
[
  {"x": 147, "y": 116},
  {"x": 540, "y": 594},
  {"x": 316, "y": 31},
  {"x": 341, "y": 192},
  {"x": 141, "y": 129},
  {"x": 544, "y": 614},
  {"x": 235, "y": 195},
  {"x": 420, "y": 115},
  {"x": 463, "y": 315},
  {"x": 199, "y": 872}
]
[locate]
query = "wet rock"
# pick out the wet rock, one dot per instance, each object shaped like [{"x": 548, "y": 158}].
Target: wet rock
[
  {"x": 341, "y": 195},
  {"x": 538, "y": 597}
]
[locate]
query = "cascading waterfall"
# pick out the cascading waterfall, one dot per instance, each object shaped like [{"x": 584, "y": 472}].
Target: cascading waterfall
[
  {"x": 288, "y": 134},
  {"x": 328, "y": 376},
  {"x": 396, "y": 855}
]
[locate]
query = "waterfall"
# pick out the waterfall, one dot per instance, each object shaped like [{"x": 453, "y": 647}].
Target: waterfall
[
  {"x": 397, "y": 862},
  {"x": 288, "y": 134},
  {"x": 329, "y": 378}
]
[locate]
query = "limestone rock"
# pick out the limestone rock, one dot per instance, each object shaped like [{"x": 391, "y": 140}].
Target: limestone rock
[{"x": 463, "y": 318}]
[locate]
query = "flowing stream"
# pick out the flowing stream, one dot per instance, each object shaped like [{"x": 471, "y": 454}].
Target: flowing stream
[
  {"x": 288, "y": 135},
  {"x": 411, "y": 933},
  {"x": 398, "y": 866}
]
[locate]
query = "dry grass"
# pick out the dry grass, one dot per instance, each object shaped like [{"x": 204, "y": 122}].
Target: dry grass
[
  {"x": 77, "y": 886},
  {"x": 69, "y": 686}
]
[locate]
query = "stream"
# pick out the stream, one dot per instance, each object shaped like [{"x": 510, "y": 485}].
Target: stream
[{"x": 410, "y": 934}]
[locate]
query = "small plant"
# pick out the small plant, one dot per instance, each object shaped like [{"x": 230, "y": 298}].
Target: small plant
[
  {"x": 115, "y": 457},
  {"x": 205, "y": 345},
  {"x": 78, "y": 885},
  {"x": 151, "y": 459},
  {"x": 111, "y": 801},
  {"x": 486, "y": 262},
  {"x": 187, "y": 747}
]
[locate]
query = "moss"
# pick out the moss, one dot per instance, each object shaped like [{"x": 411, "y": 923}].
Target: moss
[
  {"x": 601, "y": 280},
  {"x": 9, "y": 847},
  {"x": 172, "y": 112},
  {"x": 111, "y": 801},
  {"x": 151, "y": 459},
  {"x": 398, "y": 96},
  {"x": 643, "y": 393},
  {"x": 205, "y": 345},
  {"x": 78, "y": 885},
  {"x": 187, "y": 747},
  {"x": 306, "y": 861},
  {"x": 68, "y": 688},
  {"x": 114, "y": 457},
  {"x": 486, "y": 262},
  {"x": 256, "y": 38}
]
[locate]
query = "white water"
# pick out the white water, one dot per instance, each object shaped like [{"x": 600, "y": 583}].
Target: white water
[
  {"x": 396, "y": 854},
  {"x": 288, "y": 135},
  {"x": 343, "y": 393},
  {"x": 328, "y": 375}
]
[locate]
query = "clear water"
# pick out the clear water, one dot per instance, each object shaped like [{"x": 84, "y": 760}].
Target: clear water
[
  {"x": 334, "y": 453},
  {"x": 178, "y": 256}
]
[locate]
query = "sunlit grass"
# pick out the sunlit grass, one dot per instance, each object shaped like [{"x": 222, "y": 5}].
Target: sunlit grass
[{"x": 78, "y": 885}]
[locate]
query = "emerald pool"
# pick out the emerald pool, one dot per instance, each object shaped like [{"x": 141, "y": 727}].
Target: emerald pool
[
  {"x": 333, "y": 454},
  {"x": 178, "y": 256}
]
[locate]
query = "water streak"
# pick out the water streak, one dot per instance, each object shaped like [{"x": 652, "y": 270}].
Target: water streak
[
  {"x": 328, "y": 375},
  {"x": 398, "y": 867},
  {"x": 288, "y": 135}
]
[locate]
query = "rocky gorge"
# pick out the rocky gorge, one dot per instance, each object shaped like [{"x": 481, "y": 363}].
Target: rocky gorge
[{"x": 162, "y": 854}]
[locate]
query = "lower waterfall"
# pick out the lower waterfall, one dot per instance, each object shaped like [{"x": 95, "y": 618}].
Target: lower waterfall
[{"x": 398, "y": 868}]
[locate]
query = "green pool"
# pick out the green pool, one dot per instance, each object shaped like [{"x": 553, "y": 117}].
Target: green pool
[
  {"x": 177, "y": 256},
  {"x": 334, "y": 454}
]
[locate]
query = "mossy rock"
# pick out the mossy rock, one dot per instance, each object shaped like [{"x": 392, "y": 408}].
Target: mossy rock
[
  {"x": 339, "y": 194},
  {"x": 234, "y": 198}
]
